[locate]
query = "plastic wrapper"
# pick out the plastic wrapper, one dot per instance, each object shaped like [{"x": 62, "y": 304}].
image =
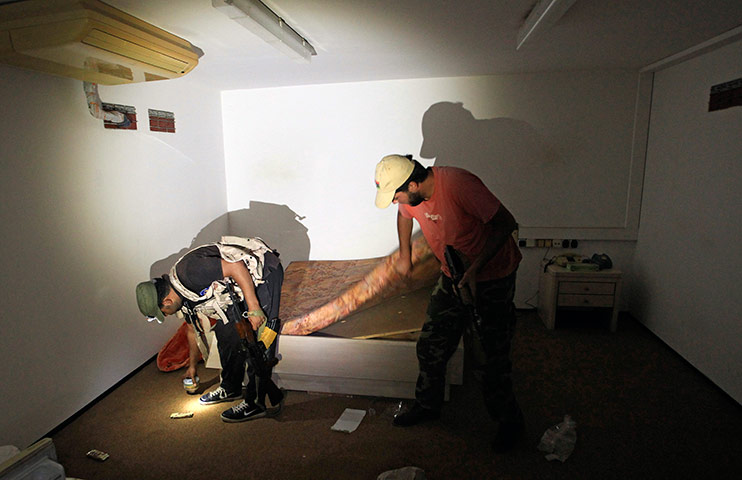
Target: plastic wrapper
[{"x": 559, "y": 441}]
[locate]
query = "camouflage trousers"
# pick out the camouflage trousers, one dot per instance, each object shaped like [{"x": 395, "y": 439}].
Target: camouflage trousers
[{"x": 446, "y": 322}]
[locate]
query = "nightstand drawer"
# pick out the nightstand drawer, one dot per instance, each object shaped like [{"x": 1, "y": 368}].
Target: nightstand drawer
[
  {"x": 587, "y": 288},
  {"x": 560, "y": 288},
  {"x": 585, "y": 300}
]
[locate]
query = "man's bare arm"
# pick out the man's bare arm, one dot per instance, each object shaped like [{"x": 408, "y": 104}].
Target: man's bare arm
[
  {"x": 193, "y": 353},
  {"x": 404, "y": 231}
]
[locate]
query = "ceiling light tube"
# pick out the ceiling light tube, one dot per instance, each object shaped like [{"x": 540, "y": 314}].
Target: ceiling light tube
[
  {"x": 543, "y": 15},
  {"x": 255, "y": 16}
]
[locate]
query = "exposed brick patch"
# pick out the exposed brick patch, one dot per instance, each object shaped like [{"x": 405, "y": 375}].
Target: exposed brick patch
[
  {"x": 128, "y": 110},
  {"x": 161, "y": 121}
]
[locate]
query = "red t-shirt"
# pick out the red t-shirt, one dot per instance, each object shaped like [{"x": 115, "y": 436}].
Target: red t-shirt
[{"x": 456, "y": 215}]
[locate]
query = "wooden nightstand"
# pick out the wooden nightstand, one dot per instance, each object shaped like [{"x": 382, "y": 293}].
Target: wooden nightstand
[{"x": 561, "y": 288}]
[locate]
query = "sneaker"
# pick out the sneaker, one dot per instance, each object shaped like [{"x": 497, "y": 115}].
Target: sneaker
[
  {"x": 508, "y": 434},
  {"x": 416, "y": 414},
  {"x": 242, "y": 412},
  {"x": 274, "y": 410},
  {"x": 218, "y": 396}
]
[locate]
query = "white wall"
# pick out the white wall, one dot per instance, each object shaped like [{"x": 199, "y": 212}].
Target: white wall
[
  {"x": 556, "y": 148},
  {"x": 85, "y": 213},
  {"x": 688, "y": 261}
]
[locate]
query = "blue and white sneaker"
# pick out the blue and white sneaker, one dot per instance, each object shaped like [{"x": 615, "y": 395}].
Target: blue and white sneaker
[
  {"x": 218, "y": 396},
  {"x": 242, "y": 412}
]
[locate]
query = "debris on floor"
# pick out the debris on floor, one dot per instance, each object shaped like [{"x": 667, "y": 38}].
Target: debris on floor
[
  {"x": 349, "y": 420},
  {"x": 181, "y": 415},
  {"x": 406, "y": 473},
  {"x": 559, "y": 441}
]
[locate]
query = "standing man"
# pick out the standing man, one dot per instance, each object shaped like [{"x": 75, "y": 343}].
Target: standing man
[
  {"x": 198, "y": 286},
  {"x": 454, "y": 208}
]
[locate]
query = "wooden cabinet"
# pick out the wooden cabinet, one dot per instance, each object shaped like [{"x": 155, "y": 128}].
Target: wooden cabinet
[{"x": 561, "y": 288}]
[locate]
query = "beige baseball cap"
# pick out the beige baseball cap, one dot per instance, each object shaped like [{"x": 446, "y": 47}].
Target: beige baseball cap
[{"x": 391, "y": 173}]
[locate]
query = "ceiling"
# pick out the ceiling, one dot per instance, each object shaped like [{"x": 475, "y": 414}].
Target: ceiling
[{"x": 363, "y": 40}]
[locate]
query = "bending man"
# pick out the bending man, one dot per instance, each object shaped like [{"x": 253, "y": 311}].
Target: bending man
[{"x": 197, "y": 287}]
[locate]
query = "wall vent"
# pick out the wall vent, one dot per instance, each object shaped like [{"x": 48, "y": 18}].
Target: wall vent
[{"x": 726, "y": 95}]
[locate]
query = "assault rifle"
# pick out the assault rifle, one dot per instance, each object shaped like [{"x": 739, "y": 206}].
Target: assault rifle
[
  {"x": 257, "y": 353},
  {"x": 457, "y": 269}
]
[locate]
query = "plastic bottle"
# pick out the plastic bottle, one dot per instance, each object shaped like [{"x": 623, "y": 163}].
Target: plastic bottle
[
  {"x": 559, "y": 441},
  {"x": 191, "y": 385}
]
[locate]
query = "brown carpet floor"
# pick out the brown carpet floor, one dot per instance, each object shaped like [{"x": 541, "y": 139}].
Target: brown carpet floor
[{"x": 642, "y": 412}]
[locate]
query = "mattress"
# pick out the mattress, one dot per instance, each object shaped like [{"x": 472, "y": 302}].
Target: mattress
[{"x": 318, "y": 294}]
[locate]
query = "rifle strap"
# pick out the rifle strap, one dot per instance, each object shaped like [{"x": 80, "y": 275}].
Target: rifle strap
[{"x": 192, "y": 317}]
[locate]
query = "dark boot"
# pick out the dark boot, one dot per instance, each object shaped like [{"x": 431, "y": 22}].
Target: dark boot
[
  {"x": 508, "y": 434},
  {"x": 414, "y": 415}
]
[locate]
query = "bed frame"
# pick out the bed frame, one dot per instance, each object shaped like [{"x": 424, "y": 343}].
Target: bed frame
[
  {"x": 372, "y": 367},
  {"x": 371, "y": 351}
]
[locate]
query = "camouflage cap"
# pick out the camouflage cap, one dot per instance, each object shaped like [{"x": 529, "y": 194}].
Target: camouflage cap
[{"x": 147, "y": 301}]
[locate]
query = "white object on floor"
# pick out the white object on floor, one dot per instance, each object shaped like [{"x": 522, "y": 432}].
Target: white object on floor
[
  {"x": 349, "y": 420},
  {"x": 406, "y": 473}
]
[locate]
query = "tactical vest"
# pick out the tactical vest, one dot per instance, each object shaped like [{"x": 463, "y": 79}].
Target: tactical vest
[{"x": 214, "y": 300}]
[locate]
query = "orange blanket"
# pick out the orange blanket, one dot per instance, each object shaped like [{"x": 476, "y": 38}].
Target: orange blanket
[{"x": 174, "y": 354}]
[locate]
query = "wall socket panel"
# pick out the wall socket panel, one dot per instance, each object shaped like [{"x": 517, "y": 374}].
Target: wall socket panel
[{"x": 547, "y": 243}]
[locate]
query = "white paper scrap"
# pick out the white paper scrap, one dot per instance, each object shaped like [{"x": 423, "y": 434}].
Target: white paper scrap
[{"x": 349, "y": 420}]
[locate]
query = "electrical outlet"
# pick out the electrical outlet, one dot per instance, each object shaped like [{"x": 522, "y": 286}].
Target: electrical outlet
[{"x": 557, "y": 243}]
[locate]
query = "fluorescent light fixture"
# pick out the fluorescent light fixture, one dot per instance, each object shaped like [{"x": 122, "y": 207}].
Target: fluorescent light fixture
[
  {"x": 255, "y": 16},
  {"x": 543, "y": 15}
]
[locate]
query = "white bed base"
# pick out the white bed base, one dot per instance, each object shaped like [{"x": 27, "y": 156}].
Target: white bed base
[{"x": 378, "y": 368}]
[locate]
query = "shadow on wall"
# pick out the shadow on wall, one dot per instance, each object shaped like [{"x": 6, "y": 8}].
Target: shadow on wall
[
  {"x": 277, "y": 225},
  {"x": 509, "y": 155}
]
